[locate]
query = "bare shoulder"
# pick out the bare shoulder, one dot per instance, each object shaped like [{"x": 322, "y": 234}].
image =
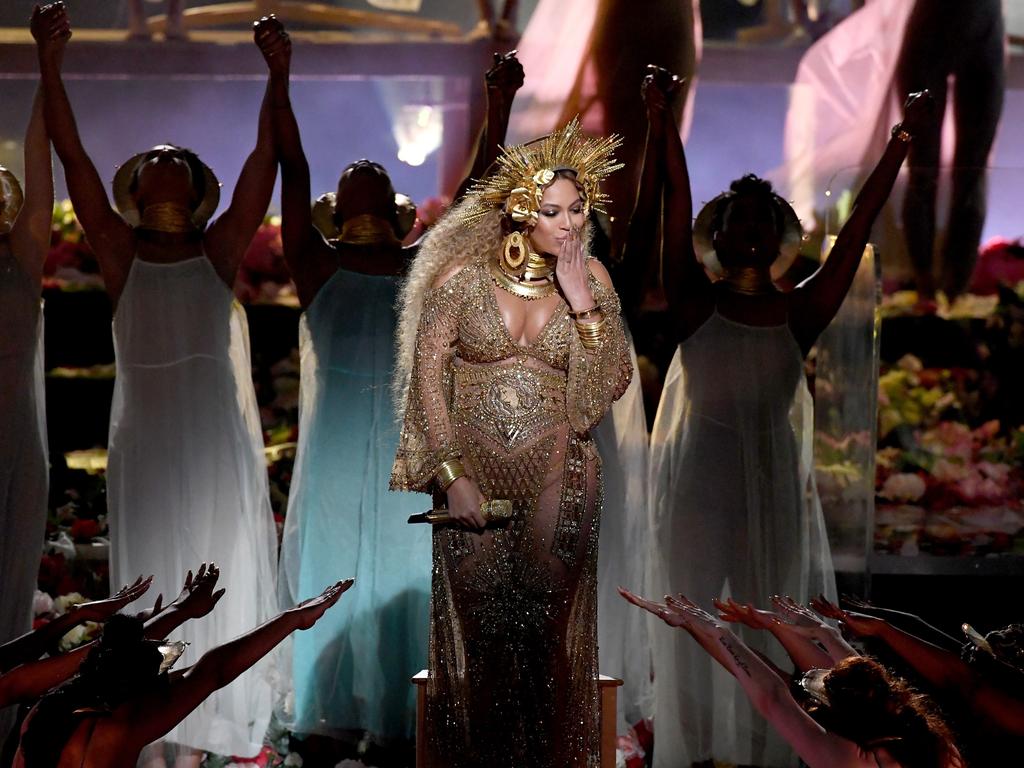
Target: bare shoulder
[{"x": 600, "y": 273}]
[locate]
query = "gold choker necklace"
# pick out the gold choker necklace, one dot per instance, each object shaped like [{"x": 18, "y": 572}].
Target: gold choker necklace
[
  {"x": 750, "y": 281},
  {"x": 525, "y": 288},
  {"x": 167, "y": 217},
  {"x": 367, "y": 229}
]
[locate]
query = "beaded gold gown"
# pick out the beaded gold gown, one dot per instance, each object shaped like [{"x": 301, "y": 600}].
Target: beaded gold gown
[{"x": 513, "y": 641}]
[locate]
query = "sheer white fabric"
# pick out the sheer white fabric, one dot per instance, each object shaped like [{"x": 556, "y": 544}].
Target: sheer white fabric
[
  {"x": 622, "y": 637},
  {"x": 186, "y": 478},
  {"x": 735, "y": 513},
  {"x": 23, "y": 457}
]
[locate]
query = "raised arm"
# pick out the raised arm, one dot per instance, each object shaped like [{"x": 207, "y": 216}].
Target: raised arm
[
  {"x": 31, "y": 233},
  {"x": 34, "y": 644},
  {"x": 908, "y": 622},
  {"x": 817, "y": 300},
  {"x": 110, "y": 237},
  {"x": 146, "y": 719},
  {"x": 310, "y": 259},
  {"x": 683, "y": 276},
  {"x": 767, "y": 692},
  {"x": 804, "y": 653},
  {"x": 641, "y": 252},
  {"x": 229, "y": 236},
  {"x": 503, "y": 79}
]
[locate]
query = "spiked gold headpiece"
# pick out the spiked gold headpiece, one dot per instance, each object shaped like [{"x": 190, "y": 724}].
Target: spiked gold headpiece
[{"x": 524, "y": 171}]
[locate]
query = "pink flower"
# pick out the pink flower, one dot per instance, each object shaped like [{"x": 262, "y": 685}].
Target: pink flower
[{"x": 903, "y": 486}]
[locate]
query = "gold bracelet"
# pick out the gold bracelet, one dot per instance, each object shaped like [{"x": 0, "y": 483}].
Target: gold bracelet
[
  {"x": 591, "y": 334},
  {"x": 586, "y": 313},
  {"x": 448, "y": 473}
]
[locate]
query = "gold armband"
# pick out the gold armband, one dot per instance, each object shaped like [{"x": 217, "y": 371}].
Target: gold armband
[
  {"x": 591, "y": 334},
  {"x": 448, "y": 473}
]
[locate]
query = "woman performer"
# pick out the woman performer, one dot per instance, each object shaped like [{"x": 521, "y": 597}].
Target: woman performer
[
  {"x": 348, "y": 287},
  {"x": 123, "y": 697},
  {"x": 734, "y": 501},
  {"x": 25, "y": 221},
  {"x": 512, "y": 349},
  {"x": 186, "y": 476}
]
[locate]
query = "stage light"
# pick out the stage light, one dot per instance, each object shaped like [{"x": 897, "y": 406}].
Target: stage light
[{"x": 417, "y": 129}]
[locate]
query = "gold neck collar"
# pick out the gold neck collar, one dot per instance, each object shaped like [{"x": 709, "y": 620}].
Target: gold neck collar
[
  {"x": 750, "y": 281},
  {"x": 538, "y": 266},
  {"x": 526, "y": 287},
  {"x": 367, "y": 229},
  {"x": 167, "y": 217}
]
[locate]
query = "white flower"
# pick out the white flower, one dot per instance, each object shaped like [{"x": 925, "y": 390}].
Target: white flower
[
  {"x": 294, "y": 758},
  {"x": 62, "y": 603},
  {"x": 42, "y": 604},
  {"x": 903, "y": 486}
]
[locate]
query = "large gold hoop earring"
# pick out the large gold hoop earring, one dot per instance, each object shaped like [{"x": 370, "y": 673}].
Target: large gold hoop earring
[{"x": 514, "y": 251}]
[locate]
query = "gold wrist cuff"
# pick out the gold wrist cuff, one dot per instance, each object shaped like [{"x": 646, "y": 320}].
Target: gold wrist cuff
[
  {"x": 900, "y": 133},
  {"x": 591, "y": 334},
  {"x": 448, "y": 473},
  {"x": 586, "y": 314}
]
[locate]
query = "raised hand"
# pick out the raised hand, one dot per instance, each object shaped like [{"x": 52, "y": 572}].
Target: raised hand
[
  {"x": 795, "y": 613},
  {"x": 662, "y": 610},
  {"x": 197, "y": 597},
  {"x": 51, "y": 28},
  {"x": 744, "y": 613},
  {"x": 101, "y": 610},
  {"x": 859, "y": 624},
  {"x": 505, "y": 77},
  {"x": 918, "y": 112},
  {"x": 573, "y": 274},
  {"x": 308, "y": 612},
  {"x": 274, "y": 43}
]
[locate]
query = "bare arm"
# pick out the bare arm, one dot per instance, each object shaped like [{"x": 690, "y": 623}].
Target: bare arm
[
  {"x": 767, "y": 692},
  {"x": 503, "y": 79},
  {"x": 684, "y": 279},
  {"x": 32, "y": 679},
  {"x": 310, "y": 259},
  {"x": 110, "y": 237},
  {"x": 31, "y": 233},
  {"x": 229, "y": 236},
  {"x": 148, "y": 718},
  {"x": 804, "y": 653},
  {"x": 641, "y": 248},
  {"x": 34, "y": 644},
  {"x": 817, "y": 299}
]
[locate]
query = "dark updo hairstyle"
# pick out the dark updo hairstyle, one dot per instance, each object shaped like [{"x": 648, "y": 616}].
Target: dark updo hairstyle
[
  {"x": 121, "y": 665},
  {"x": 195, "y": 167},
  {"x": 381, "y": 171},
  {"x": 751, "y": 187},
  {"x": 874, "y": 709}
]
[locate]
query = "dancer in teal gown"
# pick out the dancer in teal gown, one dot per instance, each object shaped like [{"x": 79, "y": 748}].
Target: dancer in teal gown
[{"x": 351, "y": 673}]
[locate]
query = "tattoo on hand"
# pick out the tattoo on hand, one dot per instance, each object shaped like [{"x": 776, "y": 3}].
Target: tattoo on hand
[{"x": 741, "y": 664}]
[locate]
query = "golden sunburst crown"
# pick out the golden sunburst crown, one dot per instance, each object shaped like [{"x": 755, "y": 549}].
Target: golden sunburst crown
[{"x": 523, "y": 172}]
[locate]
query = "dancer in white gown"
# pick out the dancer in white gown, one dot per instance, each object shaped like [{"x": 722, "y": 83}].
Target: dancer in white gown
[
  {"x": 734, "y": 502},
  {"x": 186, "y": 478},
  {"x": 25, "y": 218}
]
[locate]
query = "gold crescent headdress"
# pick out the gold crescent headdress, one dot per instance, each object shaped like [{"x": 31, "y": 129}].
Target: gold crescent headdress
[
  {"x": 125, "y": 203},
  {"x": 523, "y": 172},
  {"x": 12, "y": 197}
]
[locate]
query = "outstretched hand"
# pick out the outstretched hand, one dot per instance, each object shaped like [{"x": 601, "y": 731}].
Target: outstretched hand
[
  {"x": 101, "y": 610},
  {"x": 506, "y": 76},
  {"x": 308, "y": 612},
  {"x": 274, "y": 43},
  {"x": 50, "y": 27},
  {"x": 918, "y": 112},
  {"x": 745, "y": 613},
  {"x": 795, "y": 613},
  {"x": 197, "y": 597},
  {"x": 859, "y": 624}
]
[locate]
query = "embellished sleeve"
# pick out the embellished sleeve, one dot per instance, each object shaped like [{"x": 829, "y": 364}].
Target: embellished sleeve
[
  {"x": 427, "y": 437},
  {"x": 597, "y": 378}
]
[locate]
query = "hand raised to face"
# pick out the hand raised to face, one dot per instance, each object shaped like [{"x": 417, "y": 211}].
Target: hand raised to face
[{"x": 273, "y": 42}]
